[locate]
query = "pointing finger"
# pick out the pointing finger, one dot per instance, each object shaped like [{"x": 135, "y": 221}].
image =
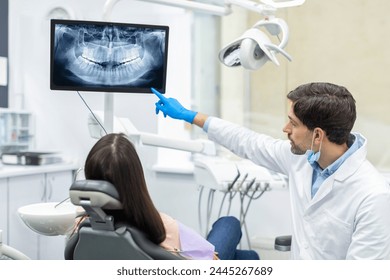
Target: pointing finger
[{"x": 159, "y": 94}]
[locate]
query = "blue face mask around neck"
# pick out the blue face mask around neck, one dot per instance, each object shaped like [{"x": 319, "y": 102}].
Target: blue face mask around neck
[{"x": 312, "y": 156}]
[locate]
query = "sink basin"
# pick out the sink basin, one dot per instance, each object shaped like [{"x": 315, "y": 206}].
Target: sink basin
[{"x": 46, "y": 219}]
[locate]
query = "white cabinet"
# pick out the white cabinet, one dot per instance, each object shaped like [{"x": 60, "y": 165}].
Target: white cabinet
[
  {"x": 4, "y": 209},
  {"x": 23, "y": 190}
]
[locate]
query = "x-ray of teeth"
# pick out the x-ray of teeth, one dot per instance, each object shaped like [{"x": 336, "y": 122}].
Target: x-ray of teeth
[{"x": 109, "y": 55}]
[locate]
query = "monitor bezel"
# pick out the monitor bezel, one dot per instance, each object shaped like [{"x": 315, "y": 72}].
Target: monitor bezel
[{"x": 56, "y": 87}]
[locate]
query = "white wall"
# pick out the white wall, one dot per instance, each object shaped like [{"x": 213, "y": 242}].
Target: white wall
[{"x": 334, "y": 41}]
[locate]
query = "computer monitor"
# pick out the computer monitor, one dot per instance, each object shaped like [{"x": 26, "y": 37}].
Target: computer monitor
[{"x": 108, "y": 56}]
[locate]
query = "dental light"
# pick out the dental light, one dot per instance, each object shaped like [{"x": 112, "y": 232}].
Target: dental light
[{"x": 254, "y": 48}]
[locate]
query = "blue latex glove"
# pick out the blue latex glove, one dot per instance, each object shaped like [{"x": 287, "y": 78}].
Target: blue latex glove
[{"x": 171, "y": 107}]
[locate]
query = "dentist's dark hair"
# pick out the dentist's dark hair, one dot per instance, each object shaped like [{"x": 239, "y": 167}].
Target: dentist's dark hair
[
  {"x": 114, "y": 159},
  {"x": 327, "y": 106}
]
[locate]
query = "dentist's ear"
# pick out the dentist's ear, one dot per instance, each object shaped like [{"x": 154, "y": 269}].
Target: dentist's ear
[{"x": 319, "y": 134}]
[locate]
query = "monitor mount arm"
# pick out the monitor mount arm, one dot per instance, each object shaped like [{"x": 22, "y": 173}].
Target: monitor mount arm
[{"x": 124, "y": 125}]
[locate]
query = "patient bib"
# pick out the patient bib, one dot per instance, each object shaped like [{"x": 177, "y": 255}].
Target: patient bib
[{"x": 193, "y": 245}]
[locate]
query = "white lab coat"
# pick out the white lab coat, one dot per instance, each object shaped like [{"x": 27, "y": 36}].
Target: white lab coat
[{"x": 348, "y": 218}]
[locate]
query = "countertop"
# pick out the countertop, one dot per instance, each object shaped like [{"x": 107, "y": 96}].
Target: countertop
[{"x": 22, "y": 170}]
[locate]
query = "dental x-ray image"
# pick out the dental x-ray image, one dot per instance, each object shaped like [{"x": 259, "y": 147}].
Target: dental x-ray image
[{"x": 108, "y": 57}]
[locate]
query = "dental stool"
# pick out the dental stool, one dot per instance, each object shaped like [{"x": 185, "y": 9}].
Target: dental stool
[
  {"x": 283, "y": 243},
  {"x": 99, "y": 237}
]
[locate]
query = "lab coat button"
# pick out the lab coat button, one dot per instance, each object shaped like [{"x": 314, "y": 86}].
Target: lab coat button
[{"x": 305, "y": 245}]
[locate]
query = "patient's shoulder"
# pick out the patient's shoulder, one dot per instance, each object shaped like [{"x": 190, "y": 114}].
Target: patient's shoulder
[
  {"x": 172, "y": 240},
  {"x": 167, "y": 219}
]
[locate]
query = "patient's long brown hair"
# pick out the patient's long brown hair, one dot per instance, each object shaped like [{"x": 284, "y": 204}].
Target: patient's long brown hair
[{"x": 114, "y": 159}]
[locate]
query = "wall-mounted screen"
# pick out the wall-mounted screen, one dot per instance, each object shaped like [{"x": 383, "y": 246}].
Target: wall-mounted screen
[{"x": 108, "y": 56}]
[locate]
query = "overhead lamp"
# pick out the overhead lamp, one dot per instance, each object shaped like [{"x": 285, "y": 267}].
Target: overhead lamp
[{"x": 254, "y": 48}]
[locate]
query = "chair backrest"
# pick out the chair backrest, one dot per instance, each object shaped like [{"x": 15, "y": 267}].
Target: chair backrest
[{"x": 99, "y": 237}]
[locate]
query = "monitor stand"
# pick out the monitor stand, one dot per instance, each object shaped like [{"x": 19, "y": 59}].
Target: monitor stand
[{"x": 109, "y": 112}]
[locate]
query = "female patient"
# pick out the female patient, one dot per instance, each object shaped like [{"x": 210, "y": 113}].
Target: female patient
[{"x": 114, "y": 159}]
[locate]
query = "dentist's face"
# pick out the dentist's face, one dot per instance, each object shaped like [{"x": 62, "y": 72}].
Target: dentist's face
[{"x": 299, "y": 135}]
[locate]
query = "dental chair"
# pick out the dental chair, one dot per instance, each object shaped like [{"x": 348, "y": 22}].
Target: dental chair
[{"x": 99, "y": 237}]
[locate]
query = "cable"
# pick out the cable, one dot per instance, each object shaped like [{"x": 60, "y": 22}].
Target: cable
[
  {"x": 262, "y": 190},
  {"x": 251, "y": 198},
  {"x": 210, "y": 202},
  {"x": 222, "y": 202},
  {"x": 232, "y": 194},
  {"x": 96, "y": 119},
  {"x": 243, "y": 213},
  {"x": 199, "y": 208},
  {"x": 229, "y": 189},
  {"x": 243, "y": 194}
]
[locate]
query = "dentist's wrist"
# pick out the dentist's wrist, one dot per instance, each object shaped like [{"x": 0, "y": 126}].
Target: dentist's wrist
[{"x": 200, "y": 119}]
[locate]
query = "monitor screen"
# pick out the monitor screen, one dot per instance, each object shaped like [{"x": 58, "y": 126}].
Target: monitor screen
[{"x": 108, "y": 56}]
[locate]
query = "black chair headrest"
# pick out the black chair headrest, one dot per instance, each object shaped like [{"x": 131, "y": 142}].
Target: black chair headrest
[{"x": 98, "y": 193}]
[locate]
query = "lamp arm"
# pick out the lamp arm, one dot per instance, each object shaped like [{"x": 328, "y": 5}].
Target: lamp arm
[
  {"x": 267, "y": 7},
  {"x": 124, "y": 125},
  {"x": 283, "y": 4},
  {"x": 253, "y": 6},
  {"x": 187, "y": 4},
  {"x": 107, "y": 9},
  {"x": 195, "y": 146},
  {"x": 196, "y": 6}
]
